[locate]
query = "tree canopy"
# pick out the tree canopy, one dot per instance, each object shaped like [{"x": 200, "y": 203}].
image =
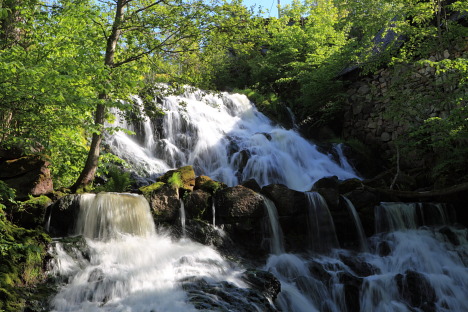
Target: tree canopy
[{"x": 64, "y": 63}]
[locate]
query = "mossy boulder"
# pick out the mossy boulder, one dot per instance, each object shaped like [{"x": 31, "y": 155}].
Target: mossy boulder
[
  {"x": 198, "y": 205},
  {"x": 206, "y": 184},
  {"x": 31, "y": 213},
  {"x": 61, "y": 216},
  {"x": 164, "y": 201},
  {"x": 183, "y": 178},
  {"x": 147, "y": 190}
]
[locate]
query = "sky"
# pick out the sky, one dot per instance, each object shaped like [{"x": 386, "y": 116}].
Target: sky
[{"x": 270, "y": 5}]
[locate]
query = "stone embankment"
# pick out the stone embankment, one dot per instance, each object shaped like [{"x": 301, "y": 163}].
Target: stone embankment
[{"x": 418, "y": 90}]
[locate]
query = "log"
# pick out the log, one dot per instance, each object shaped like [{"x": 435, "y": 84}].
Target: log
[{"x": 463, "y": 187}]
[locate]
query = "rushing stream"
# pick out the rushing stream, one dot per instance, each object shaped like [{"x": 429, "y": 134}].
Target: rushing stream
[
  {"x": 224, "y": 137},
  {"x": 118, "y": 261}
]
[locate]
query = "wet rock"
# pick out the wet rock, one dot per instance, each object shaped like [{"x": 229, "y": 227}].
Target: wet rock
[
  {"x": 331, "y": 196},
  {"x": 349, "y": 185},
  {"x": 253, "y": 185},
  {"x": 384, "y": 249},
  {"x": 450, "y": 235},
  {"x": 416, "y": 290},
  {"x": 185, "y": 174},
  {"x": 206, "y": 234},
  {"x": 164, "y": 202},
  {"x": 27, "y": 175},
  {"x": 61, "y": 216},
  {"x": 263, "y": 281},
  {"x": 224, "y": 296},
  {"x": 327, "y": 182},
  {"x": 359, "y": 266},
  {"x": 317, "y": 270},
  {"x": 198, "y": 205},
  {"x": 238, "y": 202},
  {"x": 364, "y": 201},
  {"x": 241, "y": 211},
  {"x": 288, "y": 202},
  {"x": 206, "y": 184},
  {"x": 31, "y": 213}
]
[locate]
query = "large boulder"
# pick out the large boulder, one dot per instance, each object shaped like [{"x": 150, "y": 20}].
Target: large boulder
[
  {"x": 164, "y": 201},
  {"x": 183, "y": 176},
  {"x": 416, "y": 290},
  {"x": 61, "y": 216},
  {"x": 198, "y": 205},
  {"x": 241, "y": 212},
  {"x": 31, "y": 214},
  {"x": 206, "y": 184},
  {"x": 237, "y": 202},
  {"x": 28, "y": 175},
  {"x": 288, "y": 202}
]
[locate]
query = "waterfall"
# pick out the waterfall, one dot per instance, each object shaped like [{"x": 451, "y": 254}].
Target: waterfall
[
  {"x": 182, "y": 217},
  {"x": 213, "y": 211},
  {"x": 106, "y": 215},
  {"x": 357, "y": 223},
  {"x": 276, "y": 234},
  {"x": 225, "y": 137},
  {"x": 420, "y": 269},
  {"x": 322, "y": 235},
  {"x": 396, "y": 216},
  {"x": 125, "y": 265}
]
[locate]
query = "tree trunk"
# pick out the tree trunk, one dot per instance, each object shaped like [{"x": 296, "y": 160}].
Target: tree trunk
[{"x": 89, "y": 171}]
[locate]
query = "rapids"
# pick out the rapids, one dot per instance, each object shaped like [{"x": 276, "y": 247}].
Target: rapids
[
  {"x": 416, "y": 261},
  {"x": 226, "y": 138}
]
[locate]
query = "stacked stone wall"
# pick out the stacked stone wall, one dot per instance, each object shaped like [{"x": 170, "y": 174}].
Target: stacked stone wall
[{"x": 368, "y": 117}]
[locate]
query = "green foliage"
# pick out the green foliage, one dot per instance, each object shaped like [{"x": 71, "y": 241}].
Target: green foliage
[
  {"x": 7, "y": 195},
  {"x": 22, "y": 254},
  {"x": 118, "y": 181}
]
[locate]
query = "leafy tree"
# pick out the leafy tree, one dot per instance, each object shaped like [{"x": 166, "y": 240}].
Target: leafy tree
[{"x": 132, "y": 31}]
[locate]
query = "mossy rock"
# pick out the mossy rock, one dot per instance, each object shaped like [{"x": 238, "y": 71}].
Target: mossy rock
[
  {"x": 183, "y": 177},
  {"x": 147, "y": 190},
  {"x": 31, "y": 213},
  {"x": 206, "y": 184}
]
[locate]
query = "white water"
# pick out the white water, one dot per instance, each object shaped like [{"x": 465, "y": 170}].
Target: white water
[
  {"x": 182, "y": 218},
  {"x": 225, "y": 137},
  {"x": 357, "y": 223},
  {"x": 131, "y": 268},
  {"x": 322, "y": 234},
  {"x": 317, "y": 283},
  {"x": 276, "y": 234}
]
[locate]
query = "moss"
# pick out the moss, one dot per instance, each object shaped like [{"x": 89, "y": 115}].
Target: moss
[
  {"x": 184, "y": 179},
  {"x": 175, "y": 181},
  {"x": 146, "y": 190},
  {"x": 22, "y": 257},
  {"x": 39, "y": 201},
  {"x": 212, "y": 186}
]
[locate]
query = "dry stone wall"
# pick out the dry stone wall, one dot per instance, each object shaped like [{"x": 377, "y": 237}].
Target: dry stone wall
[{"x": 368, "y": 116}]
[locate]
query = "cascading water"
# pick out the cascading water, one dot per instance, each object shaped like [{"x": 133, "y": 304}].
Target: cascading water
[
  {"x": 182, "y": 218},
  {"x": 408, "y": 268},
  {"x": 276, "y": 235},
  {"x": 322, "y": 235},
  {"x": 225, "y": 137},
  {"x": 127, "y": 265},
  {"x": 357, "y": 223}
]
